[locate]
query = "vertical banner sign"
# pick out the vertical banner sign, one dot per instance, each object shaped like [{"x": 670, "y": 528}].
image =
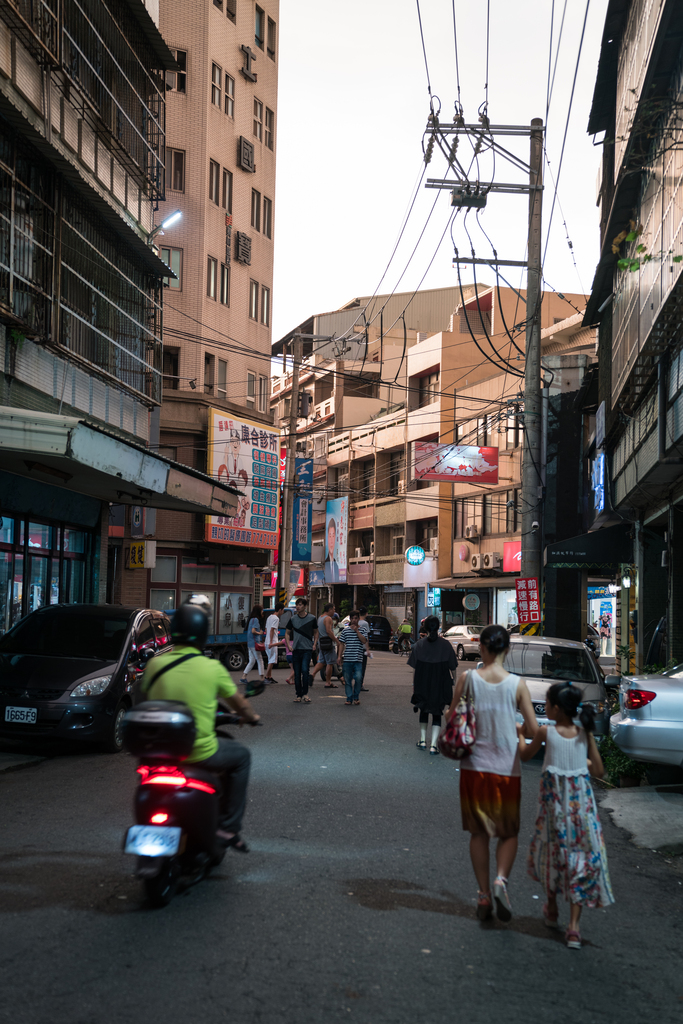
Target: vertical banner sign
[
  {"x": 245, "y": 455},
  {"x": 336, "y": 536},
  {"x": 302, "y": 539},
  {"x": 528, "y": 604}
]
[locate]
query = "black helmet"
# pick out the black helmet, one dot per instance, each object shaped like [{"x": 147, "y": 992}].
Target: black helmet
[{"x": 190, "y": 625}]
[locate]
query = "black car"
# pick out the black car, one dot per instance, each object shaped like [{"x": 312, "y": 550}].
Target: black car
[
  {"x": 380, "y": 631},
  {"x": 71, "y": 671}
]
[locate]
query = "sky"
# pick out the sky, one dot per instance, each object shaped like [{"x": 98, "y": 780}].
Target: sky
[{"x": 352, "y": 110}]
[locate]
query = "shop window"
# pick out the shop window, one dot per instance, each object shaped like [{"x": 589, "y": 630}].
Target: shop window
[
  {"x": 73, "y": 581},
  {"x": 185, "y": 595},
  {"x": 231, "y": 577},
  {"x": 198, "y": 573},
  {"x": 165, "y": 571},
  {"x": 6, "y": 531},
  {"x": 162, "y": 600},
  {"x": 39, "y": 536},
  {"x": 234, "y": 613}
]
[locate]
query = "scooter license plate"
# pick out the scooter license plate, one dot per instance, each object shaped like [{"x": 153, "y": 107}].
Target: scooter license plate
[{"x": 152, "y": 840}]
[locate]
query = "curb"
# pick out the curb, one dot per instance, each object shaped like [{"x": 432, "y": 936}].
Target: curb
[{"x": 15, "y": 762}]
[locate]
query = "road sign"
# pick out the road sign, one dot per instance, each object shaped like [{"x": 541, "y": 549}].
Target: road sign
[{"x": 528, "y": 604}]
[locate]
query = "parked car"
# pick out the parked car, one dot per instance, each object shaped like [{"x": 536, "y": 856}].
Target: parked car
[
  {"x": 543, "y": 661},
  {"x": 649, "y": 723},
  {"x": 72, "y": 671},
  {"x": 465, "y": 640},
  {"x": 380, "y": 630}
]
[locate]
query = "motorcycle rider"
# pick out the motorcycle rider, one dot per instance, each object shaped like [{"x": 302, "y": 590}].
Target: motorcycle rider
[{"x": 199, "y": 682}]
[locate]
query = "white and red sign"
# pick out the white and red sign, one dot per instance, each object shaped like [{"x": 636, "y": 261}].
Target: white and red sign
[
  {"x": 528, "y": 603},
  {"x": 455, "y": 463},
  {"x": 512, "y": 556}
]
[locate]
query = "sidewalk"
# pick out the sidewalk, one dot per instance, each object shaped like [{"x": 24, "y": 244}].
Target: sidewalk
[
  {"x": 652, "y": 814},
  {"x": 15, "y": 762}
]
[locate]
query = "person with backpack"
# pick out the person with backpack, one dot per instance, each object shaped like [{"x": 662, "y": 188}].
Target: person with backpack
[{"x": 303, "y": 630}]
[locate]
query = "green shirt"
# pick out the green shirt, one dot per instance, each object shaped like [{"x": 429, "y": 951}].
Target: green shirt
[
  {"x": 405, "y": 627},
  {"x": 198, "y": 682}
]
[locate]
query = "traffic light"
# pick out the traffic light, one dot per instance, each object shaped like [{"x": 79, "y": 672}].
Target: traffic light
[{"x": 304, "y": 405}]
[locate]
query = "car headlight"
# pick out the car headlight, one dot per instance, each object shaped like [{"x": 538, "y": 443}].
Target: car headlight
[{"x": 92, "y": 687}]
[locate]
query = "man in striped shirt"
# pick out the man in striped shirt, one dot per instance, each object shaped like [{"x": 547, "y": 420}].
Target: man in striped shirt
[{"x": 352, "y": 645}]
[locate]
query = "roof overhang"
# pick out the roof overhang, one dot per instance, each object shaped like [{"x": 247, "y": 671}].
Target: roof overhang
[
  {"x": 79, "y": 456},
  {"x": 166, "y": 60}
]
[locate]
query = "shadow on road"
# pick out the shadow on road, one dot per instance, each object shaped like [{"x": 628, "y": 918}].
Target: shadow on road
[{"x": 396, "y": 894}]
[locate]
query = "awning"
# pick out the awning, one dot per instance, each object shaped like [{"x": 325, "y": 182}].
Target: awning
[
  {"x": 79, "y": 456},
  {"x": 602, "y": 549},
  {"x": 476, "y": 582}
]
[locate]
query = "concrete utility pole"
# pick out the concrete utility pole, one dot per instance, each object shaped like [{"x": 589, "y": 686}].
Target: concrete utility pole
[
  {"x": 532, "y": 473},
  {"x": 285, "y": 557}
]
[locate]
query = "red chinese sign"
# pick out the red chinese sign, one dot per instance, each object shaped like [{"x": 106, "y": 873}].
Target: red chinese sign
[
  {"x": 455, "y": 463},
  {"x": 528, "y": 604},
  {"x": 512, "y": 556}
]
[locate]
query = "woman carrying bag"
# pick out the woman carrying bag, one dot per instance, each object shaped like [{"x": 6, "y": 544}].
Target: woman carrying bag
[
  {"x": 490, "y": 776},
  {"x": 434, "y": 661},
  {"x": 255, "y": 646}
]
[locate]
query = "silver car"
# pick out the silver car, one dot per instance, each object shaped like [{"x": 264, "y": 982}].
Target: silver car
[
  {"x": 649, "y": 723},
  {"x": 544, "y": 660},
  {"x": 465, "y": 640}
]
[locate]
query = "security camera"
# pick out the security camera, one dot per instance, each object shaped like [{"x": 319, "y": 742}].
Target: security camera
[{"x": 535, "y": 526}]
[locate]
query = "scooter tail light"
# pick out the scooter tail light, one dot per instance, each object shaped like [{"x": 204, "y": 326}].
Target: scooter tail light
[
  {"x": 159, "y": 819},
  {"x": 204, "y": 787},
  {"x": 171, "y": 776},
  {"x": 635, "y": 699}
]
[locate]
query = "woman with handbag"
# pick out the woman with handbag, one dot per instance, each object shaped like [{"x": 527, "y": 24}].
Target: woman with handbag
[
  {"x": 434, "y": 661},
  {"x": 490, "y": 774},
  {"x": 255, "y": 646}
]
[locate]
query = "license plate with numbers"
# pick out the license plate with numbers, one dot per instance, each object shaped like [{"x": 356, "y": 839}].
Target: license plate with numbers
[{"x": 26, "y": 716}]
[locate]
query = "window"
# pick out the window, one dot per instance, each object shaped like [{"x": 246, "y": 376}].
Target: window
[
  {"x": 229, "y": 95},
  {"x": 222, "y": 384},
  {"x": 514, "y": 424},
  {"x": 265, "y": 306},
  {"x": 227, "y": 190},
  {"x": 175, "y": 164},
  {"x": 258, "y": 119},
  {"x": 253, "y": 300},
  {"x": 255, "y": 209},
  {"x": 216, "y": 78},
  {"x": 263, "y": 394},
  {"x": 428, "y": 389},
  {"x": 214, "y": 181},
  {"x": 251, "y": 390},
  {"x": 218, "y": 4},
  {"x": 225, "y": 284},
  {"x": 211, "y": 277},
  {"x": 397, "y": 463},
  {"x": 268, "y": 218},
  {"x": 170, "y": 368},
  {"x": 176, "y": 81},
  {"x": 270, "y": 128},
  {"x": 231, "y": 9},
  {"x": 209, "y": 364},
  {"x": 173, "y": 258},
  {"x": 482, "y": 430},
  {"x": 271, "y": 38},
  {"x": 397, "y": 540},
  {"x": 259, "y": 28}
]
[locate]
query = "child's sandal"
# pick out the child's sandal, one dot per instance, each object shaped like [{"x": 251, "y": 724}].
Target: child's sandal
[
  {"x": 572, "y": 938},
  {"x": 484, "y": 906}
]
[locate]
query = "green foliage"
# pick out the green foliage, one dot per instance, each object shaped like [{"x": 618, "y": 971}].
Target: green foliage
[
  {"x": 618, "y": 764},
  {"x": 344, "y": 608},
  {"x": 624, "y": 654}
]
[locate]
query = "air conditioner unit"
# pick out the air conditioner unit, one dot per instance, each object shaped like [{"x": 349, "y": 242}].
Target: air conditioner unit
[
  {"x": 472, "y": 530},
  {"x": 475, "y": 562},
  {"x": 434, "y": 545},
  {"x": 372, "y": 548},
  {"x": 401, "y": 487},
  {"x": 491, "y": 560},
  {"x": 359, "y": 552}
]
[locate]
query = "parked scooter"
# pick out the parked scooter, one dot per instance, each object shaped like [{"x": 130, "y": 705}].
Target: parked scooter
[{"x": 176, "y": 804}]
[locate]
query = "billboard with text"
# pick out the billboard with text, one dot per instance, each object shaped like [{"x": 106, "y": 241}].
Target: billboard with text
[{"x": 455, "y": 463}]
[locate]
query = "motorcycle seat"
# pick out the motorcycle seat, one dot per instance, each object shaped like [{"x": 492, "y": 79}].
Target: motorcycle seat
[{"x": 191, "y": 771}]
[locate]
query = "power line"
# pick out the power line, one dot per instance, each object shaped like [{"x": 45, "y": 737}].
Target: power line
[{"x": 424, "y": 52}]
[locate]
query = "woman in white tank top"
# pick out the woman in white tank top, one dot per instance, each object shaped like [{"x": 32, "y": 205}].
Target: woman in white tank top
[{"x": 490, "y": 778}]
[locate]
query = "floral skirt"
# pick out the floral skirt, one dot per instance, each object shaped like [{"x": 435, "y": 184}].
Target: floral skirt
[
  {"x": 490, "y": 803},
  {"x": 567, "y": 854}
]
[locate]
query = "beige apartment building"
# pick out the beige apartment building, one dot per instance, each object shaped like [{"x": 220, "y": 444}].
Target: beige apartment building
[{"x": 221, "y": 128}]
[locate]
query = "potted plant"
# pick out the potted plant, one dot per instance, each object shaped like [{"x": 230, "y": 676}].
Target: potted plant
[{"x": 622, "y": 770}]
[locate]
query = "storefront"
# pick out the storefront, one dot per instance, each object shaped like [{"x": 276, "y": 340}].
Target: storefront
[
  {"x": 229, "y": 588},
  {"x": 602, "y": 614}
]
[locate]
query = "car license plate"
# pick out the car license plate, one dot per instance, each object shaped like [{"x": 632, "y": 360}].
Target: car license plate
[
  {"x": 152, "y": 840},
  {"x": 28, "y": 716}
]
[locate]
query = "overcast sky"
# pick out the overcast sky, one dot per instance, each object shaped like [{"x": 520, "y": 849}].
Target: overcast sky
[{"x": 353, "y": 106}]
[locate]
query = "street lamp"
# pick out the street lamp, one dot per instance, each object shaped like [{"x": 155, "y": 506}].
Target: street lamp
[{"x": 166, "y": 223}]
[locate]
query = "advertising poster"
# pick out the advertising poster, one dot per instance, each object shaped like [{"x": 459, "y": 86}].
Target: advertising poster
[
  {"x": 301, "y": 535},
  {"x": 336, "y": 537},
  {"x": 453, "y": 463},
  {"x": 245, "y": 455}
]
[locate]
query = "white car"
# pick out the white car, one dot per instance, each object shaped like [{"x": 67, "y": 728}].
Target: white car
[
  {"x": 465, "y": 640},
  {"x": 649, "y": 723}
]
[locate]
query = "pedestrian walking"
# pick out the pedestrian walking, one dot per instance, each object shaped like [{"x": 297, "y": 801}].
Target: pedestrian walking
[
  {"x": 255, "y": 634},
  {"x": 567, "y": 854},
  {"x": 272, "y": 641},
  {"x": 364, "y": 627},
  {"x": 327, "y": 646},
  {"x": 434, "y": 661},
  {"x": 288, "y": 656},
  {"x": 303, "y": 630},
  {"x": 490, "y": 777},
  {"x": 352, "y": 643}
]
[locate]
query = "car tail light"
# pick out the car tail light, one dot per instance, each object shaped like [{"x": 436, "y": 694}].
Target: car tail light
[
  {"x": 635, "y": 699},
  {"x": 159, "y": 819},
  {"x": 169, "y": 775}
]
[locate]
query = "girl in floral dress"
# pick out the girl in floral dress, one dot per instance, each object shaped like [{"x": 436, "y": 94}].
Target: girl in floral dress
[{"x": 567, "y": 854}]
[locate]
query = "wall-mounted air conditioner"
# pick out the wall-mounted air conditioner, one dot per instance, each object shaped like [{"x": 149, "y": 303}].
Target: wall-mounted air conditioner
[
  {"x": 472, "y": 530},
  {"x": 401, "y": 487},
  {"x": 475, "y": 562},
  {"x": 372, "y": 549},
  {"x": 491, "y": 560},
  {"x": 359, "y": 552},
  {"x": 434, "y": 545}
]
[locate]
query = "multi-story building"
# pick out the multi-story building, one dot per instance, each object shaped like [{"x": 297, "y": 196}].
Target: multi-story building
[
  {"x": 82, "y": 157},
  {"x": 637, "y": 300},
  {"x": 220, "y": 164},
  {"x": 439, "y": 381}
]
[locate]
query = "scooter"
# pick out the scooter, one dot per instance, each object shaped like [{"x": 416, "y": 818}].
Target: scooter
[
  {"x": 176, "y": 804},
  {"x": 402, "y": 645}
]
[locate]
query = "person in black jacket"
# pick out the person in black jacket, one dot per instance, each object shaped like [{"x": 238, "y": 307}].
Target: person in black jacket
[{"x": 434, "y": 661}]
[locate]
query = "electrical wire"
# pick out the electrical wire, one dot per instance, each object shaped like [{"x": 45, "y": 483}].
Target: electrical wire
[
  {"x": 424, "y": 52},
  {"x": 457, "y": 65}
]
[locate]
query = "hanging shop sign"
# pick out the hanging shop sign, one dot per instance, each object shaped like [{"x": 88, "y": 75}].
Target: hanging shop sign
[
  {"x": 512, "y": 556},
  {"x": 415, "y": 555},
  {"x": 301, "y": 534},
  {"x": 455, "y": 462},
  {"x": 471, "y": 602},
  {"x": 528, "y": 604}
]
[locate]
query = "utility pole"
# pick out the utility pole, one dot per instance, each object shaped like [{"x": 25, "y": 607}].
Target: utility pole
[
  {"x": 532, "y": 474},
  {"x": 285, "y": 556}
]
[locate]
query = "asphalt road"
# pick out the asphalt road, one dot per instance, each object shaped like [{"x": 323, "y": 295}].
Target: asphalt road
[{"x": 355, "y": 904}]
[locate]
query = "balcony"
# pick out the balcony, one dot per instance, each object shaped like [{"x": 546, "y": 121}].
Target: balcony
[
  {"x": 359, "y": 570},
  {"x": 390, "y": 512},
  {"x": 389, "y": 569},
  {"x": 362, "y": 515},
  {"x": 424, "y": 422}
]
